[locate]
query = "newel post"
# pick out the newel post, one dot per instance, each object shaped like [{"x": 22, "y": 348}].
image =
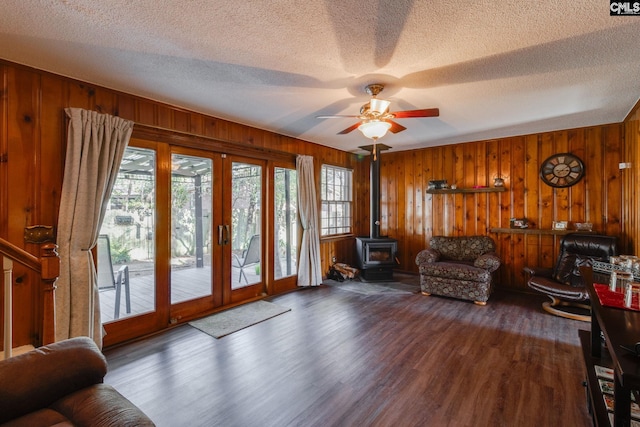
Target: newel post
[{"x": 50, "y": 270}]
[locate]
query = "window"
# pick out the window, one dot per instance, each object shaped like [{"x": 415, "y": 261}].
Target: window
[
  {"x": 336, "y": 189},
  {"x": 285, "y": 222}
]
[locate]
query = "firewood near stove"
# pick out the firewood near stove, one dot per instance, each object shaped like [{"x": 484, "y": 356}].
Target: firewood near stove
[{"x": 347, "y": 271}]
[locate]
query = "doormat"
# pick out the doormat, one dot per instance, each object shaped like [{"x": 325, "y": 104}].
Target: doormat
[
  {"x": 381, "y": 288},
  {"x": 229, "y": 321}
]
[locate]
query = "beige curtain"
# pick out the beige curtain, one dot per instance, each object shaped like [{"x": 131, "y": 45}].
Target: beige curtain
[
  {"x": 95, "y": 147},
  {"x": 309, "y": 265}
]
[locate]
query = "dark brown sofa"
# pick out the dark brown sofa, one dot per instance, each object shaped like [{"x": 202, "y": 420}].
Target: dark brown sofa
[{"x": 62, "y": 385}]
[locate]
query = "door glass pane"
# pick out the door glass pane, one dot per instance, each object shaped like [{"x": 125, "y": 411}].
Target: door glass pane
[
  {"x": 246, "y": 214},
  {"x": 125, "y": 249},
  {"x": 286, "y": 225},
  {"x": 190, "y": 227}
]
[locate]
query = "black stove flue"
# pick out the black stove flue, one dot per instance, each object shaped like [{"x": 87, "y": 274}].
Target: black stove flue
[
  {"x": 376, "y": 254},
  {"x": 374, "y": 189}
]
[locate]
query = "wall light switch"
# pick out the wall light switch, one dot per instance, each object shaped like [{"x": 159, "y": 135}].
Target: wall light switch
[{"x": 624, "y": 165}]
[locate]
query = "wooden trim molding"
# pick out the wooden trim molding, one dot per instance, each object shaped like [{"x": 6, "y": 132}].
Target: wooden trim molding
[
  {"x": 191, "y": 140},
  {"x": 39, "y": 234}
]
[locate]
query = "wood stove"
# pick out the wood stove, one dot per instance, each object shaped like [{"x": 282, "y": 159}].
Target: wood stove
[
  {"x": 376, "y": 257},
  {"x": 376, "y": 254}
]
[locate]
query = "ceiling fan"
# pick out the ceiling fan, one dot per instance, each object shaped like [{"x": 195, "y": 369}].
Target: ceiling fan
[{"x": 376, "y": 119}]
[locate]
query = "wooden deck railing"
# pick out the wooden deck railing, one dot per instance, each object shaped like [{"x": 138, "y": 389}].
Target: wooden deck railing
[{"x": 47, "y": 266}]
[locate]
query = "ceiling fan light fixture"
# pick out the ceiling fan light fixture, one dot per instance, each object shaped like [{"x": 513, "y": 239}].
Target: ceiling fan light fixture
[
  {"x": 374, "y": 129},
  {"x": 379, "y": 106}
]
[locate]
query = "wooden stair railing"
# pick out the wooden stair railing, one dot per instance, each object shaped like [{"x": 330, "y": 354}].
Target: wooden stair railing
[{"x": 47, "y": 266}]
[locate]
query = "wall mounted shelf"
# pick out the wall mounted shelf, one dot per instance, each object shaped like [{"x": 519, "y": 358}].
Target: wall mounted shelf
[
  {"x": 468, "y": 190},
  {"x": 536, "y": 231}
]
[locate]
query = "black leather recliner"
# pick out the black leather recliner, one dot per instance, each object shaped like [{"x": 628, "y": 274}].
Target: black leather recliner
[{"x": 563, "y": 283}]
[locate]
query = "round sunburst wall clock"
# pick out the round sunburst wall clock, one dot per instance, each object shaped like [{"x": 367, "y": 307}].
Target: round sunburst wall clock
[{"x": 562, "y": 170}]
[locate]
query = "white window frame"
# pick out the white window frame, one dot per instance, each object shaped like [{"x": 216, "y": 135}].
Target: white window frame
[{"x": 336, "y": 194}]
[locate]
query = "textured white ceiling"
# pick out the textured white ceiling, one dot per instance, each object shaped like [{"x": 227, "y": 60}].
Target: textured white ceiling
[{"x": 493, "y": 69}]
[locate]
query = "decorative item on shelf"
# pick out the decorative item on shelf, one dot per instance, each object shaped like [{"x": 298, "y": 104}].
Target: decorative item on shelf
[
  {"x": 583, "y": 226},
  {"x": 453, "y": 186},
  {"x": 437, "y": 184},
  {"x": 498, "y": 181},
  {"x": 518, "y": 223},
  {"x": 559, "y": 225}
]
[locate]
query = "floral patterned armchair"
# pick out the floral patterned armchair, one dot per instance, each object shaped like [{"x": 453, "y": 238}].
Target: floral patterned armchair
[{"x": 459, "y": 267}]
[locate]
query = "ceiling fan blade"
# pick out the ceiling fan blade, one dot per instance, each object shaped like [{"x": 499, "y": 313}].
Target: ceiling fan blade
[
  {"x": 349, "y": 129},
  {"x": 428, "y": 112},
  {"x": 336, "y": 117},
  {"x": 395, "y": 127}
]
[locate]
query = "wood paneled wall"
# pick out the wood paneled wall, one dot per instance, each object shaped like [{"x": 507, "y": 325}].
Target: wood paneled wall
[
  {"x": 32, "y": 146},
  {"x": 412, "y": 216},
  {"x": 631, "y": 185},
  {"x": 32, "y": 151}
]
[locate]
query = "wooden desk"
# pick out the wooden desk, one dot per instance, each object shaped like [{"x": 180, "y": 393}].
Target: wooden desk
[{"x": 619, "y": 327}]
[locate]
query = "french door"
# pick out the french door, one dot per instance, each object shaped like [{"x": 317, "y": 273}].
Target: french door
[
  {"x": 194, "y": 193},
  {"x": 184, "y": 234},
  {"x": 217, "y": 225}
]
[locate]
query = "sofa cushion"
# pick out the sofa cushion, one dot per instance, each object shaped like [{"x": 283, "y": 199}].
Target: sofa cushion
[
  {"x": 44, "y": 417},
  {"x": 427, "y": 256},
  {"x": 462, "y": 248},
  {"x": 456, "y": 271},
  {"x": 567, "y": 268},
  {"x": 462, "y": 289},
  {"x": 551, "y": 287},
  {"x": 489, "y": 262},
  {"x": 42, "y": 376},
  {"x": 101, "y": 405}
]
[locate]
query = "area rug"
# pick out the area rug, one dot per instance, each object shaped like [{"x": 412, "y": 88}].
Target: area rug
[
  {"x": 229, "y": 321},
  {"x": 368, "y": 288}
]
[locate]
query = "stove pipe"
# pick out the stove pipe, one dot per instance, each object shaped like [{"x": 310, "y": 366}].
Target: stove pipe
[{"x": 374, "y": 185}]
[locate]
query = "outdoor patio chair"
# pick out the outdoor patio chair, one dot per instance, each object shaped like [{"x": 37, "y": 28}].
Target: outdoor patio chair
[
  {"x": 250, "y": 257},
  {"x": 107, "y": 279}
]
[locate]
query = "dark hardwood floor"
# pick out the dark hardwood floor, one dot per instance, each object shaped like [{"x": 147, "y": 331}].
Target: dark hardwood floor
[{"x": 341, "y": 358}]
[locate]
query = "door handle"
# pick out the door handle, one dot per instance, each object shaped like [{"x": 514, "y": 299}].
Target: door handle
[{"x": 223, "y": 234}]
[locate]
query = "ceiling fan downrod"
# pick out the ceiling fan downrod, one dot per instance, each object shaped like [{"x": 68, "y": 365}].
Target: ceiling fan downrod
[{"x": 374, "y": 89}]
